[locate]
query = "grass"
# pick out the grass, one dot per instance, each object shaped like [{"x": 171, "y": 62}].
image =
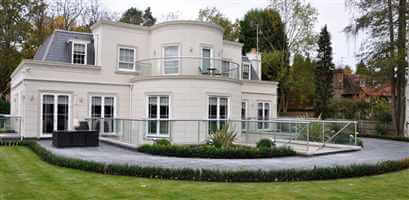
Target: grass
[{"x": 24, "y": 176}]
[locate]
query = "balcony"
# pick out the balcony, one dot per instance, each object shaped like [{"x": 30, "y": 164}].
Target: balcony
[{"x": 193, "y": 66}]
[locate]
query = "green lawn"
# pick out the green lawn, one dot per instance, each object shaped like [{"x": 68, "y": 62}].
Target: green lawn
[{"x": 24, "y": 176}]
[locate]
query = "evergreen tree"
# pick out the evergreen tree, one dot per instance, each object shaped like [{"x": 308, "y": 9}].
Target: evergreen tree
[
  {"x": 324, "y": 72},
  {"x": 132, "y": 16},
  {"x": 148, "y": 19}
]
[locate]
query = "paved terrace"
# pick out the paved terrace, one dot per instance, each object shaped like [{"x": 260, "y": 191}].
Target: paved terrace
[{"x": 375, "y": 150}]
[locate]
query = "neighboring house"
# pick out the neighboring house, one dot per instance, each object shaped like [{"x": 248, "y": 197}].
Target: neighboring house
[
  {"x": 179, "y": 70},
  {"x": 353, "y": 86}
]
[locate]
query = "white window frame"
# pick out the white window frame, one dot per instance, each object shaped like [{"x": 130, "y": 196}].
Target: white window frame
[
  {"x": 210, "y": 58},
  {"x": 229, "y": 65},
  {"x": 119, "y": 59},
  {"x": 265, "y": 126},
  {"x": 218, "y": 109},
  {"x": 55, "y": 120},
  {"x": 158, "y": 135},
  {"x": 249, "y": 71},
  {"x": 174, "y": 58},
  {"x": 85, "y": 43}
]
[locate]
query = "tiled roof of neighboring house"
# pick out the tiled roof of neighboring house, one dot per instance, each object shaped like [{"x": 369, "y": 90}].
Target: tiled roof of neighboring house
[
  {"x": 57, "y": 47},
  {"x": 383, "y": 91}
]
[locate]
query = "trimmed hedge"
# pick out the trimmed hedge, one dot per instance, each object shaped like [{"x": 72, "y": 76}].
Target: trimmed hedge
[
  {"x": 217, "y": 175},
  {"x": 209, "y": 151}
]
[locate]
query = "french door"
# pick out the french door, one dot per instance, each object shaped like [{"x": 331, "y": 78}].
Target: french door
[
  {"x": 218, "y": 112},
  {"x": 55, "y": 113},
  {"x": 103, "y": 107}
]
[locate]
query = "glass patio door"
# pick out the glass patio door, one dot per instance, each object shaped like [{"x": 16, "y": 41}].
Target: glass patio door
[
  {"x": 103, "y": 107},
  {"x": 55, "y": 113}
]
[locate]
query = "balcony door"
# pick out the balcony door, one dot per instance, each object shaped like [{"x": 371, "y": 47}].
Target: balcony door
[{"x": 55, "y": 113}]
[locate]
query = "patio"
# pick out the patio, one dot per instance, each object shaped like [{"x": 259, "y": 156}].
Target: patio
[{"x": 375, "y": 150}]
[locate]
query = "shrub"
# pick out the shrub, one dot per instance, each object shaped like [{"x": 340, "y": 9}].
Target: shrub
[
  {"x": 223, "y": 137},
  {"x": 4, "y": 107},
  {"x": 380, "y": 129},
  {"x": 210, "y": 151},
  {"x": 163, "y": 142},
  {"x": 265, "y": 143}
]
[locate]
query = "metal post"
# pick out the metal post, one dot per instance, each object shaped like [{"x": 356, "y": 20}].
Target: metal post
[
  {"x": 308, "y": 137},
  {"x": 198, "y": 132},
  {"x": 356, "y": 133},
  {"x": 323, "y": 132}
]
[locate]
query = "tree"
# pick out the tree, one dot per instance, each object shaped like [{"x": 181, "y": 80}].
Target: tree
[
  {"x": 213, "y": 15},
  {"x": 324, "y": 72},
  {"x": 68, "y": 10},
  {"x": 299, "y": 18},
  {"x": 148, "y": 19},
  {"x": 132, "y": 16},
  {"x": 302, "y": 88},
  {"x": 95, "y": 12},
  {"x": 270, "y": 29},
  {"x": 15, "y": 24}
]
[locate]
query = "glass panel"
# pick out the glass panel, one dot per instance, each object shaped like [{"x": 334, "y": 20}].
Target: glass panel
[
  {"x": 226, "y": 68},
  {"x": 212, "y": 126},
  {"x": 153, "y": 101},
  {"x": 164, "y": 127},
  {"x": 164, "y": 107},
  {"x": 243, "y": 110},
  {"x": 171, "y": 51},
  {"x": 48, "y": 113},
  {"x": 223, "y": 108},
  {"x": 266, "y": 114},
  {"x": 212, "y": 107},
  {"x": 152, "y": 127},
  {"x": 62, "y": 113},
  {"x": 109, "y": 114}
]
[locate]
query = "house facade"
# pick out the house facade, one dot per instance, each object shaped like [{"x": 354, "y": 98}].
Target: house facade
[{"x": 178, "y": 70}]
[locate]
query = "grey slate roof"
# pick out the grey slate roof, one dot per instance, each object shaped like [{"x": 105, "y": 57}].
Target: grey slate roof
[{"x": 57, "y": 47}]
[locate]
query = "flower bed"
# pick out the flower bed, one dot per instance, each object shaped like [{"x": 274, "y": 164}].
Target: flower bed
[{"x": 210, "y": 151}]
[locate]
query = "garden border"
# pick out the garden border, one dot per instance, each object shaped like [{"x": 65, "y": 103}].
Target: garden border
[{"x": 287, "y": 175}]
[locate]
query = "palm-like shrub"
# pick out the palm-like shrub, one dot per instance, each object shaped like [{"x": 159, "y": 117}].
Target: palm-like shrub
[{"x": 223, "y": 137}]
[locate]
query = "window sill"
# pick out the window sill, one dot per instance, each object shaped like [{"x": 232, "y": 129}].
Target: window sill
[
  {"x": 156, "y": 137},
  {"x": 127, "y": 72}
]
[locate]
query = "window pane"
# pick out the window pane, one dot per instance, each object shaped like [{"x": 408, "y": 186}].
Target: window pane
[
  {"x": 260, "y": 111},
  {"x": 243, "y": 110},
  {"x": 163, "y": 127},
  {"x": 62, "y": 113},
  {"x": 79, "y": 53},
  {"x": 48, "y": 113},
  {"x": 226, "y": 68},
  {"x": 164, "y": 107},
  {"x": 109, "y": 107},
  {"x": 171, "y": 51},
  {"x": 246, "y": 69},
  {"x": 213, "y": 108},
  {"x": 206, "y": 53},
  {"x": 79, "y": 48},
  {"x": 223, "y": 108},
  {"x": 171, "y": 66},
  {"x": 152, "y": 127},
  {"x": 153, "y": 101},
  {"x": 126, "y": 58},
  {"x": 96, "y": 107}
]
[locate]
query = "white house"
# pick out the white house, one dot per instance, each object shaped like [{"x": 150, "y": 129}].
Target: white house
[{"x": 178, "y": 70}]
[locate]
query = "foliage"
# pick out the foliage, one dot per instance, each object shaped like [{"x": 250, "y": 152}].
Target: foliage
[
  {"x": 380, "y": 129},
  {"x": 138, "y": 17},
  {"x": 386, "y": 137},
  {"x": 265, "y": 143},
  {"x": 324, "y": 71},
  {"x": 302, "y": 90},
  {"x": 163, "y": 142},
  {"x": 223, "y": 137},
  {"x": 375, "y": 109},
  {"x": 299, "y": 18},
  {"x": 213, "y": 15},
  {"x": 223, "y": 176},
  {"x": 4, "y": 107},
  {"x": 271, "y": 31},
  {"x": 211, "y": 151}
]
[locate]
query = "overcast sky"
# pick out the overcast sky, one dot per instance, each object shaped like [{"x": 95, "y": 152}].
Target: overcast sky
[{"x": 331, "y": 12}]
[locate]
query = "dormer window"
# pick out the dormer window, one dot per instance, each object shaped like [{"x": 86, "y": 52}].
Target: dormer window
[{"x": 79, "y": 52}]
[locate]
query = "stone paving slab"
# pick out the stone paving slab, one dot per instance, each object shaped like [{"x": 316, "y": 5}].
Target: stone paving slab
[{"x": 375, "y": 150}]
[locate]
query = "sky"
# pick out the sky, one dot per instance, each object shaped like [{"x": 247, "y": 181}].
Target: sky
[{"x": 331, "y": 13}]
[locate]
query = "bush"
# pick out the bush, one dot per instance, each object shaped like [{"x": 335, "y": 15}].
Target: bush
[
  {"x": 265, "y": 143},
  {"x": 223, "y": 137},
  {"x": 380, "y": 129},
  {"x": 4, "y": 107},
  {"x": 163, "y": 142},
  {"x": 210, "y": 151}
]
